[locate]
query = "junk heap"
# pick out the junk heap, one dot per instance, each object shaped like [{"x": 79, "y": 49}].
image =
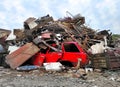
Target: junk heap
[{"x": 42, "y": 33}]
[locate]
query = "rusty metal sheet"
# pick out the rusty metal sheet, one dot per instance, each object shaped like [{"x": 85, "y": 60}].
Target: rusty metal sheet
[{"x": 21, "y": 55}]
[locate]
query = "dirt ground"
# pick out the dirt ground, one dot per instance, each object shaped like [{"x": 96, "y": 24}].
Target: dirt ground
[{"x": 42, "y": 78}]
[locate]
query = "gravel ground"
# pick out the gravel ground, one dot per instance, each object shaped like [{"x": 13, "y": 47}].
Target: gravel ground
[{"x": 42, "y": 78}]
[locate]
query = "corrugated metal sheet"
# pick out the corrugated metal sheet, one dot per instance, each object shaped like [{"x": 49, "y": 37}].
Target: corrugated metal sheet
[{"x": 21, "y": 55}]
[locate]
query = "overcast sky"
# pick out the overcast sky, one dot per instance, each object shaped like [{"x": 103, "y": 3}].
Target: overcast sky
[{"x": 99, "y": 14}]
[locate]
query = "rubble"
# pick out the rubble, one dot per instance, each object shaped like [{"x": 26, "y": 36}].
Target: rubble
[{"x": 43, "y": 33}]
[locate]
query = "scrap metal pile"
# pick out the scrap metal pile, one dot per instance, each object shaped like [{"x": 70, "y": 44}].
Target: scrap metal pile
[
  {"x": 42, "y": 33},
  {"x": 62, "y": 30}
]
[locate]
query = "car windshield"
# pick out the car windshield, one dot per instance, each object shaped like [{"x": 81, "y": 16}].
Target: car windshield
[{"x": 70, "y": 47}]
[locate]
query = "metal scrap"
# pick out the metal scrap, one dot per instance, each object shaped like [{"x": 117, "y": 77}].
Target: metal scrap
[{"x": 45, "y": 31}]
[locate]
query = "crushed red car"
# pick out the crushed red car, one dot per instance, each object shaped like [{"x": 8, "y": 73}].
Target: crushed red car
[{"x": 69, "y": 55}]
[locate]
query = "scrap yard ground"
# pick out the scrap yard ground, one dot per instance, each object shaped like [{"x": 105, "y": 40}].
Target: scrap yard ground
[{"x": 41, "y": 78}]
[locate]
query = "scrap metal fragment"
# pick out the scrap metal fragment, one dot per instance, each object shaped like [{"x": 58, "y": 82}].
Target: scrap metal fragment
[{"x": 21, "y": 55}]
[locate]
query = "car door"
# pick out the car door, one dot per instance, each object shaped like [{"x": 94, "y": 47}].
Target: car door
[
  {"x": 52, "y": 56},
  {"x": 71, "y": 53}
]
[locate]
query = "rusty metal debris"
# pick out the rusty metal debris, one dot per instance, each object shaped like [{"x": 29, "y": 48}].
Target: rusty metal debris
[
  {"x": 41, "y": 33},
  {"x": 21, "y": 55}
]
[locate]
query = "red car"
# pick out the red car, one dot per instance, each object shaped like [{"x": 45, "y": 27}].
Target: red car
[{"x": 71, "y": 52}]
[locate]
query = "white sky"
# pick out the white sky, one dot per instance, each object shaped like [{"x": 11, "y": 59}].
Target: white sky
[{"x": 99, "y": 14}]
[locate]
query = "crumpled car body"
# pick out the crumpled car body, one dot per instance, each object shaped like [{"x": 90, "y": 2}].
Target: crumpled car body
[{"x": 70, "y": 53}]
